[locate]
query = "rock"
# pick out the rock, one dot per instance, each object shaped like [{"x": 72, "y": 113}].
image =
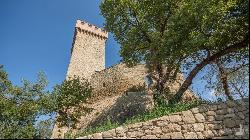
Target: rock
[
  {"x": 149, "y": 137},
  {"x": 136, "y": 125},
  {"x": 195, "y": 110},
  {"x": 188, "y": 117},
  {"x": 199, "y": 135},
  {"x": 176, "y": 135},
  {"x": 199, "y": 117},
  {"x": 198, "y": 127},
  {"x": 202, "y": 109},
  {"x": 210, "y": 118},
  {"x": 148, "y": 132},
  {"x": 97, "y": 136},
  {"x": 156, "y": 130},
  {"x": 161, "y": 123},
  {"x": 165, "y": 136},
  {"x": 171, "y": 128},
  {"x": 230, "y": 110},
  {"x": 213, "y": 126},
  {"x": 187, "y": 127},
  {"x": 175, "y": 118},
  {"x": 229, "y": 116},
  {"x": 221, "y": 112},
  {"x": 222, "y": 106},
  {"x": 229, "y": 123},
  {"x": 108, "y": 134},
  {"x": 213, "y": 107},
  {"x": 211, "y": 113},
  {"x": 208, "y": 134},
  {"x": 190, "y": 135},
  {"x": 231, "y": 104},
  {"x": 132, "y": 134},
  {"x": 241, "y": 115},
  {"x": 120, "y": 131},
  {"x": 219, "y": 117}
]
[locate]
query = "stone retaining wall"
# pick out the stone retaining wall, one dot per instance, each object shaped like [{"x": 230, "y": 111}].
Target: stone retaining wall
[{"x": 217, "y": 120}]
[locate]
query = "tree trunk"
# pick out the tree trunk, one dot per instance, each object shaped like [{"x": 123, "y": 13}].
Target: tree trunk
[
  {"x": 195, "y": 71},
  {"x": 223, "y": 79}
]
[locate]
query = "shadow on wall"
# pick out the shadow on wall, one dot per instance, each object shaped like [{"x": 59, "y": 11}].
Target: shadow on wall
[{"x": 128, "y": 105}]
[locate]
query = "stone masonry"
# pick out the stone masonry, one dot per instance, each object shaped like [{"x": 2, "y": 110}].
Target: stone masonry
[
  {"x": 224, "y": 120},
  {"x": 88, "y": 50}
]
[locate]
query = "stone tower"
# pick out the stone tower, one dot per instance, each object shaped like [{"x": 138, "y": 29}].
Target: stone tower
[{"x": 88, "y": 50}]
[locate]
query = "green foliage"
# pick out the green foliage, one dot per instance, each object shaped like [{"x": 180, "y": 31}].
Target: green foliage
[
  {"x": 158, "y": 111},
  {"x": 71, "y": 94},
  {"x": 176, "y": 34},
  {"x": 21, "y": 105},
  {"x": 99, "y": 128}
]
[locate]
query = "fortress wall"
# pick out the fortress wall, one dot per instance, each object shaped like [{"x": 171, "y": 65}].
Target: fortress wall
[
  {"x": 224, "y": 120},
  {"x": 116, "y": 80}
]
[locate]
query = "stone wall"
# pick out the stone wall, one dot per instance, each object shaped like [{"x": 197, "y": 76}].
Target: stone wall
[
  {"x": 119, "y": 78},
  {"x": 217, "y": 120},
  {"x": 88, "y": 50}
]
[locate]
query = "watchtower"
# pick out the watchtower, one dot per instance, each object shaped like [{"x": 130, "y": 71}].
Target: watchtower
[{"x": 88, "y": 50}]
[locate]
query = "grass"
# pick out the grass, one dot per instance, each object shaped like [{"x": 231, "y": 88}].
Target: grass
[{"x": 157, "y": 112}]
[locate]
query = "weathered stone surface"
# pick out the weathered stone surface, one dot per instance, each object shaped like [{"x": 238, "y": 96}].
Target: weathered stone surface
[
  {"x": 176, "y": 135},
  {"x": 231, "y": 104},
  {"x": 195, "y": 110},
  {"x": 171, "y": 128},
  {"x": 199, "y": 135},
  {"x": 190, "y": 135},
  {"x": 156, "y": 130},
  {"x": 108, "y": 134},
  {"x": 97, "y": 136},
  {"x": 222, "y": 106},
  {"x": 208, "y": 134},
  {"x": 175, "y": 118},
  {"x": 229, "y": 116},
  {"x": 241, "y": 115},
  {"x": 229, "y": 123},
  {"x": 211, "y": 113},
  {"x": 221, "y": 112},
  {"x": 188, "y": 117},
  {"x": 199, "y": 117},
  {"x": 198, "y": 127},
  {"x": 165, "y": 136},
  {"x": 219, "y": 117},
  {"x": 210, "y": 118},
  {"x": 132, "y": 134},
  {"x": 187, "y": 127},
  {"x": 149, "y": 137}
]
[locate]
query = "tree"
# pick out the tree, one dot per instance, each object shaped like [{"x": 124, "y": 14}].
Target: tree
[
  {"x": 21, "y": 105},
  {"x": 70, "y": 96},
  {"x": 166, "y": 35}
]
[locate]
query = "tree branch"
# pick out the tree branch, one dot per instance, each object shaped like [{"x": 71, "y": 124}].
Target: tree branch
[{"x": 233, "y": 48}]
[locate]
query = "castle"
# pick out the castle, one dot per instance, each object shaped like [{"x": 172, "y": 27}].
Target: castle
[{"x": 109, "y": 85}]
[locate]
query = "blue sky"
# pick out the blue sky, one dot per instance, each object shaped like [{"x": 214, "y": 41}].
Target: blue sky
[{"x": 36, "y": 35}]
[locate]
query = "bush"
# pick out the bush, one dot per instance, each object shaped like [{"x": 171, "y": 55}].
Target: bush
[{"x": 71, "y": 94}]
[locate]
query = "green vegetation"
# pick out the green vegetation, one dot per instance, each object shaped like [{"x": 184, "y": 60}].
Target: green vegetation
[
  {"x": 70, "y": 96},
  {"x": 172, "y": 36},
  {"x": 157, "y": 112},
  {"x": 21, "y": 106}
]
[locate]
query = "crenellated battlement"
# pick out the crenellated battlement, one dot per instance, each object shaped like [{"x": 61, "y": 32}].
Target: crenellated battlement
[{"x": 90, "y": 28}]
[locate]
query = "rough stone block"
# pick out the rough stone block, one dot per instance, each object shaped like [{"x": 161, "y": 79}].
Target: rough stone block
[
  {"x": 190, "y": 135},
  {"x": 199, "y": 117},
  {"x": 198, "y": 127},
  {"x": 188, "y": 117},
  {"x": 176, "y": 135}
]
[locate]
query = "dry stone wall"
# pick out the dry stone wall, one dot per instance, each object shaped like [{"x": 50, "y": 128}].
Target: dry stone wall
[{"x": 218, "y": 120}]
